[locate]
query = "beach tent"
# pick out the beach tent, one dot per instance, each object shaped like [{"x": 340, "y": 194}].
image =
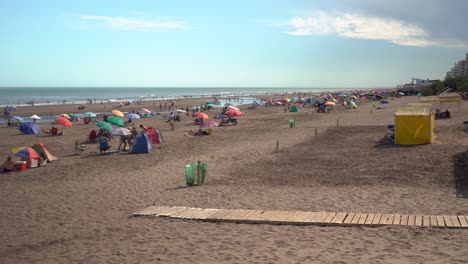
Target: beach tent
[
  {"x": 294, "y": 109},
  {"x": 142, "y": 144},
  {"x": 414, "y": 125},
  {"x": 29, "y": 128},
  {"x": 42, "y": 150},
  {"x": 154, "y": 135}
]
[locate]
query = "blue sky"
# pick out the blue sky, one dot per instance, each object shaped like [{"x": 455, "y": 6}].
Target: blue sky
[{"x": 251, "y": 43}]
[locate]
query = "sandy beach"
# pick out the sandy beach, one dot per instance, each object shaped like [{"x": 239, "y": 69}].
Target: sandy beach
[{"x": 77, "y": 208}]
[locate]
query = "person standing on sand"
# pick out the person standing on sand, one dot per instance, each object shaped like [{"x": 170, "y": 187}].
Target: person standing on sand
[{"x": 144, "y": 129}]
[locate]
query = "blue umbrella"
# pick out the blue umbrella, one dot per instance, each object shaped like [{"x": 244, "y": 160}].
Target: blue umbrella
[
  {"x": 133, "y": 116},
  {"x": 29, "y": 128},
  {"x": 256, "y": 102},
  {"x": 19, "y": 119},
  {"x": 384, "y": 102}
]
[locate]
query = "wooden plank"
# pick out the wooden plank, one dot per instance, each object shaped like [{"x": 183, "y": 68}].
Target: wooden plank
[
  {"x": 339, "y": 217},
  {"x": 390, "y": 219},
  {"x": 455, "y": 221},
  {"x": 376, "y": 219},
  {"x": 426, "y": 221},
  {"x": 310, "y": 217},
  {"x": 301, "y": 216},
  {"x": 362, "y": 219},
  {"x": 463, "y": 222},
  {"x": 418, "y": 220},
  {"x": 383, "y": 219},
  {"x": 440, "y": 221},
  {"x": 162, "y": 211},
  {"x": 182, "y": 213},
  {"x": 404, "y": 220},
  {"x": 448, "y": 221},
  {"x": 369, "y": 219},
  {"x": 277, "y": 216},
  {"x": 329, "y": 218},
  {"x": 317, "y": 216},
  {"x": 255, "y": 217},
  {"x": 172, "y": 211},
  {"x": 433, "y": 220},
  {"x": 411, "y": 220},
  {"x": 355, "y": 219},
  {"x": 322, "y": 218},
  {"x": 396, "y": 219},
  {"x": 348, "y": 218}
]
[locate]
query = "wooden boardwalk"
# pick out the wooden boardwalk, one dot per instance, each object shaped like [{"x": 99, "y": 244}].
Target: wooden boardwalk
[{"x": 304, "y": 218}]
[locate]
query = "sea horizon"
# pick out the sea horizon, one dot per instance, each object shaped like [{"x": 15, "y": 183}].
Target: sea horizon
[{"x": 21, "y": 96}]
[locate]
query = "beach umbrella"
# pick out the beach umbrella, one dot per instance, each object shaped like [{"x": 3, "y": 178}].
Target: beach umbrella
[
  {"x": 17, "y": 118},
  {"x": 146, "y": 110},
  {"x": 117, "y": 113},
  {"x": 278, "y": 103},
  {"x": 256, "y": 102},
  {"x": 201, "y": 115},
  {"x": 330, "y": 104},
  {"x": 209, "y": 124},
  {"x": 133, "y": 116},
  {"x": 74, "y": 118},
  {"x": 384, "y": 102},
  {"x": 90, "y": 114},
  {"x": 29, "y": 128},
  {"x": 105, "y": 126},
  {"x": 401, "y": 93},
  {"x": 353, "y": 96},
  {"x": 180, "y": 111},
  {"x": 63, "y": 121},
  {"x": 233, "y": 108},
  {"x": 353, "y": 104},
  {"x": 121, "y": 131},
  {"x": 233, "y": 113},
  {"x": 25, "y": 153},
  {"x": 66, "y": 116},
  {"x": 9, "y": 108},
  {"x": 35, "y": 117},
  {"x": 115, "y": 120}
]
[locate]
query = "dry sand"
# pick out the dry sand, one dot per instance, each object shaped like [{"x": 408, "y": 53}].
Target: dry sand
[{"x": 77, "y": 208}]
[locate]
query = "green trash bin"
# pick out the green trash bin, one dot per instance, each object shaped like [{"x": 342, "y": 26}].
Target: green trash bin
[
  {"x": 204, "y": 170},
  {"x": 190, "y": 174}
]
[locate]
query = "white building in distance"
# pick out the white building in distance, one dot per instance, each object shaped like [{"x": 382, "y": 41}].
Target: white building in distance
[{"x": 460, "y": 69}]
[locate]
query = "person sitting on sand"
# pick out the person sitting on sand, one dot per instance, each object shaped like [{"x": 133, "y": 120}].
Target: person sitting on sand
[
  {"x": 447, "y": 113},
  {"x": 8, "y": 166},
  {"x": 200, "y": 132},
  {"x": 144, "y": 129},
  {"x": 53, "y": 131}
]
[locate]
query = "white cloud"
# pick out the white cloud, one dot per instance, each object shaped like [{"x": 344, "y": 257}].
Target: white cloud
[
  {"x": 122, "y": 23},
  {"x": 365, "y": 27}
]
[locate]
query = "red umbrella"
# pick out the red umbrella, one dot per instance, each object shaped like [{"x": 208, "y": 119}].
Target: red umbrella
[
  {"x": 201, "y": 115},
  {"x": 63, "y": 121},
  {"x": 233, "y": 113}
]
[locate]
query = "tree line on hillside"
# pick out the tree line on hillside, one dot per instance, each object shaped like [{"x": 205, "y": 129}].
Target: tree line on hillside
[{"x": 458, "y": 84}]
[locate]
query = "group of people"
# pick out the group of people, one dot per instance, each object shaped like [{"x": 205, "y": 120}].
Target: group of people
[{"x": 442, "y": 115}]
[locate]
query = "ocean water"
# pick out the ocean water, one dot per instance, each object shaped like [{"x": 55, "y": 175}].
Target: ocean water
[{"x": 68, "y": 95}]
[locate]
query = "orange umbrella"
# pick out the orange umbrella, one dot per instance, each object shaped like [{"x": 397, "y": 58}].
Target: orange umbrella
[
  {"x": 233, "y": 113},
  {"x": 201, "y": 115},
  {"x": 63, "y": 121},
  {"x": 117, "y": 113}
]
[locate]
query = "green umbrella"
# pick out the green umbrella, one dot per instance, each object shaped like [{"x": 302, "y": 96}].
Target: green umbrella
[
  {"x": 90, "y": 114},
  {"x": 105, "y": 126},
  {"x": 115, "y": 120}
]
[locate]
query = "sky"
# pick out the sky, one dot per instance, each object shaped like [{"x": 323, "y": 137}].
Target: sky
[{"x": 241, "y": 43}]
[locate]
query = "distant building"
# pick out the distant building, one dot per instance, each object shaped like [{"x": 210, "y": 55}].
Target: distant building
[
  {"x": 460, "y": 69},
  {"x": 414, "y": 86}
]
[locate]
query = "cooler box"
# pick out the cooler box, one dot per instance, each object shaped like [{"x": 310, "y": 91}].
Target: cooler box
[{"x": 20, "y": 165}]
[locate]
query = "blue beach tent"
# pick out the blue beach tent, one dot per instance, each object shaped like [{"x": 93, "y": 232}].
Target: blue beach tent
[
  {"x": 29, "y": 128},
  {"x": 142, "y": 144}
]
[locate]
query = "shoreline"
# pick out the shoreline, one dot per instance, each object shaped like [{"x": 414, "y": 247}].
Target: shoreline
[{"x": 86, "y": 100}]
